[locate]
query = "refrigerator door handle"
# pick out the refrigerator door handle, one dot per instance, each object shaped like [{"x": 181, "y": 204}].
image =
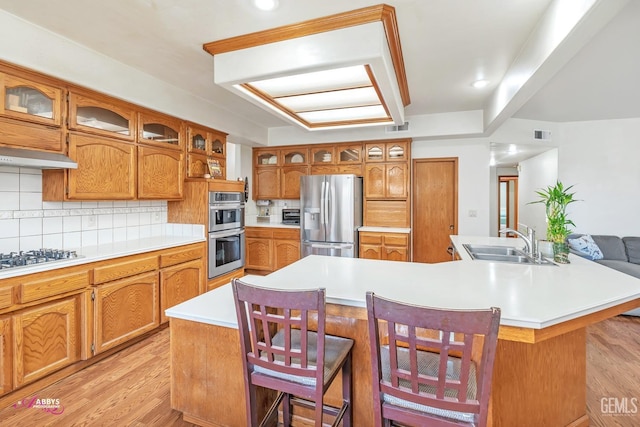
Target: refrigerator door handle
[
  {"x": 331, "y": 196},
  {"x": 322, "y": 203},
  {"x": 327, "y": 206},
  {"x": 331, "y": 245}
]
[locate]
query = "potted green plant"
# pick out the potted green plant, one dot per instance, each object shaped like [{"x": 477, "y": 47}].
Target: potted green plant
[{"x": 556, "y": 198}]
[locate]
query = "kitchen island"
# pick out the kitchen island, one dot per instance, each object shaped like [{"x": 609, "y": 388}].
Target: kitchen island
[{"x": 540, "y": 371}]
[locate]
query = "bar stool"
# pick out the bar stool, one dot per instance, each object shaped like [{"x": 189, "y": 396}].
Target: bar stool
[
  {"x": 281, "y": 353},
  {"x": 427, "y": 365}
]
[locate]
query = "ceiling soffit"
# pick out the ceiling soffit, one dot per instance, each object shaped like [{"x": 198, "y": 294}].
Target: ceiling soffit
[{"x": 366, "y": 38}]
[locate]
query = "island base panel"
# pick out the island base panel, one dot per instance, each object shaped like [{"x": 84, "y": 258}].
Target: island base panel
[
  {"x": 206, "y": 374},
  {"x": 542, "y": 384},
  {"x": 207, "y": 382}
]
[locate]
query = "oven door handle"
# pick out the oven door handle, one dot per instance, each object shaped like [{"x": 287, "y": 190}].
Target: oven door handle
[
  {"x": 226, "y": 207},
  {"x": 215, "y": 235}
]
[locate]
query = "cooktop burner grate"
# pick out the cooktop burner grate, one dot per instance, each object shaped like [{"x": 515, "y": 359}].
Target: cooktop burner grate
[{"x": 39, "y": 256}]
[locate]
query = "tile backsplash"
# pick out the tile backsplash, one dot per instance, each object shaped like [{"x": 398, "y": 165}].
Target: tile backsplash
[{"x": 26, "y": 222}]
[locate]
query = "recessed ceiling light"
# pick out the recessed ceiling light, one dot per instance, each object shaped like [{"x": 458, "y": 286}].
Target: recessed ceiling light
[
  {"x": 265, "y": 4},
  {"x": 479, "y": 84}
]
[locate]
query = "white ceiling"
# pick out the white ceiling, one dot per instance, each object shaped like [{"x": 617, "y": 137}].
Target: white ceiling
[{"x": 446, "y": 44}]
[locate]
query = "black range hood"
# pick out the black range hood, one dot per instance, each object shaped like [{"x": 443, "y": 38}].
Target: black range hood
[{"x": 22, "y": 158}]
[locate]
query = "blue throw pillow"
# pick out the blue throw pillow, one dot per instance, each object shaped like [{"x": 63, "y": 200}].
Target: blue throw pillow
[{"x": 586, "y": 246}]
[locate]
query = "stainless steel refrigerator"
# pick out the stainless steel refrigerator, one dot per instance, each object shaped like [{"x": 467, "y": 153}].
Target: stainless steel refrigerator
[{"x": 331, "y": 213}]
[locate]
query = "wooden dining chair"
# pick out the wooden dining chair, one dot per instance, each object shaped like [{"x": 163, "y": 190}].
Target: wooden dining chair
[
  {"x": 431, "y": 366},
  {"x": 281, "y": 353}
]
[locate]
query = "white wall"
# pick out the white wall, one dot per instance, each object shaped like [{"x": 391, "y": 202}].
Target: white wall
[
  {"x": 473, "y": 179},
  {"x": 601, "y": 158},
  {"x": 536, "y": 173}
]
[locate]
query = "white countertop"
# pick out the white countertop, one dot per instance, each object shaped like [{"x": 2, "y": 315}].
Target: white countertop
[
  {"x": 106, "y": 251},
  {"x": 531, "y": 296},
  {"x": 252, "y": 221}
]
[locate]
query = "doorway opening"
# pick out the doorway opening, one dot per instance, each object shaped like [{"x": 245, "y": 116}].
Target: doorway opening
[{"x": 508, "y": 203}]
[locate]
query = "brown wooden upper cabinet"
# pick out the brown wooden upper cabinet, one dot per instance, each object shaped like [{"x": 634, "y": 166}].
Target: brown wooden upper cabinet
[
  {"x": 204, "y": 143},
  {"x": 218, "y": 145},
  {"x": 323, "y": 155},
  {"x": 266, "y": 157},
  {"x": 101, "y": 115},
  {"x": 337, "y": 159},
  {"x": 294, "y": 156},
  {"x": 349, "y": 153},
  {"x": 198, "y": 140},
  {"x": 159, "y": 130},
  {"x": 386, "y": 151},
  {"x": 31, "y": 100},
  {"x": 160, "y": 173},
  {"x": 106, "y": 169}
]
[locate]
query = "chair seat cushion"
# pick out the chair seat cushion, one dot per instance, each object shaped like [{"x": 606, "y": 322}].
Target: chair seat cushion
[
  {"x": 336, "y": 350},
  {"x": 428, "y": 365}
]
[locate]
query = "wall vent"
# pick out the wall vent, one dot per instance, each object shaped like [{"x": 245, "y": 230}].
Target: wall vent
[
  {"x": 543, "y": 135},
  {"x": 398, "y": 128}
]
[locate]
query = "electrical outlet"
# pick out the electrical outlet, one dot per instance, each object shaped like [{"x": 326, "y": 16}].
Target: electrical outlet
[
  {"x": 473, "y": 213},
  {"x": 156, "y": 217}
]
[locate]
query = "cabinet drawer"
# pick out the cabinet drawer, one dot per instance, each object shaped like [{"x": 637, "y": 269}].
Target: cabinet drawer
[
  {"x": 38, "y": 289},
  {"x": 371, "y": 239},
  {"x": 396, "y": 239},
  {"x": 260, "y": 232},
  {"x": 286, "y": 234},
  {"x": 122, "y": 269},
  {"x": 6, "y": 297},
  {"x": 178, "y": 257}
]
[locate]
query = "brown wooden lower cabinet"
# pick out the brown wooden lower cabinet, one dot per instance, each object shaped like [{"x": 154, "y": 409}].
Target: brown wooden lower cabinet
[
  {"x": 6, "y": 355},
  {"x": 62, "y": 318},
  {"x": 179, "y": 283},
  {"x": 47, "y": 337},
  {"x": 269, "y": 248},
  {"x": 387, "y": 246},
  {"x": 124, "y": 309}
]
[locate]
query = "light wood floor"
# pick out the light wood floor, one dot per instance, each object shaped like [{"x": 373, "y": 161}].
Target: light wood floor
[{"x": 131, "y": 388}]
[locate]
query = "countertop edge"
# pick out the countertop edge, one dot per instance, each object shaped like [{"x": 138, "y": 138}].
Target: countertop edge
[{"x": 103, "y": 252}]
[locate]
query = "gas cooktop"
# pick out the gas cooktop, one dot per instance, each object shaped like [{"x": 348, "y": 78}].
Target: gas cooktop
[{"x": 39, "y": 256}]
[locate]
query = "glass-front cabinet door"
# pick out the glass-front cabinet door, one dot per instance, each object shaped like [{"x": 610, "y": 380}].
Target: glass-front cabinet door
[
  {"x": 324, "y": 155},
  {"x": 351, "y": 153},
  {"x": 218, "y": 145},
  {"x": 159, "y": 130},
  {"x": 30, "y": 100},
  {"x": 197, "y": 140},
  {"x": 396, "y": 151},
  {"x": 374, "y": 152},
  {"x": 267, "y": 158},
  {"x": 101, "y": 115},
  {"x": 295, "y": 156}
]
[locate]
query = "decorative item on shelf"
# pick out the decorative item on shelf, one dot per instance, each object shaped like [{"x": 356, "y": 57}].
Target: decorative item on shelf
[
  {"x": 214, "y": 168},
  {"x": 556, "y": 198}
]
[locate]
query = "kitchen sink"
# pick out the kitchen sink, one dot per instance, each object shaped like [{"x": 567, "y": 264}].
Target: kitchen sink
[
  {"x": 503, "y": 254},
  {"x": 492, "y": 250}
]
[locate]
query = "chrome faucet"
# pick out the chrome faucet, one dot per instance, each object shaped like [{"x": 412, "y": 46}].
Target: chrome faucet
[{"x": 529, "y": 239}]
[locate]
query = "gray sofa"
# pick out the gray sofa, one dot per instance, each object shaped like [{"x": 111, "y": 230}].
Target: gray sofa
[{"x": 622, "y": 254}]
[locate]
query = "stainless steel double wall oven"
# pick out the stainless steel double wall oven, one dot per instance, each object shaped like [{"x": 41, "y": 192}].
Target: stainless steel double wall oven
[{"x": 226, "y": 232}]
